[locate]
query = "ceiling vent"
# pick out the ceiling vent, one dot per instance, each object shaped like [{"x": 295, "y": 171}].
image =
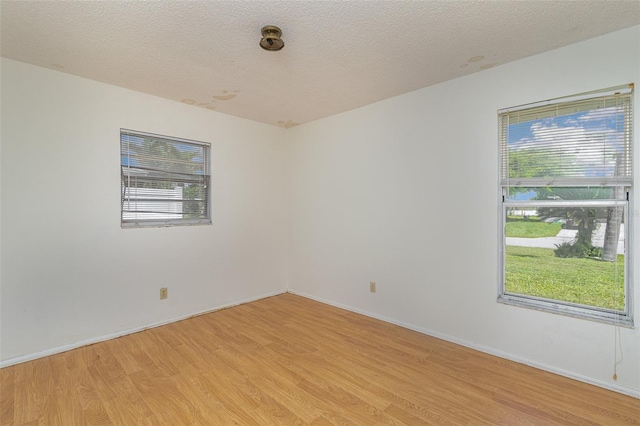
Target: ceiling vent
[{"x": 271, "y": 38}]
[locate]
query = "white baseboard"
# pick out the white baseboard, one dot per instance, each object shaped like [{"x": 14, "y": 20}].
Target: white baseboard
[
  {"x": 65, "y": 348},
  {"x": 481, "y": 348}
]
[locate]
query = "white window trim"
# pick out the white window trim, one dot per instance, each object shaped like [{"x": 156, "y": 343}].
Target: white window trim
[
  {"x": 160, "y": 223},
  {"x": 598, "y": 314}
]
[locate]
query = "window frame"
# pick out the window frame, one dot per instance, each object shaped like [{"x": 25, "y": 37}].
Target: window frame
[
  {"x": 205, "y": 179},
  {"x": 617, "y": 317}
]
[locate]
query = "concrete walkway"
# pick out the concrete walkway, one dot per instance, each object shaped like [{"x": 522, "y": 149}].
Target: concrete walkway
[{"x": 566, "y": 236}]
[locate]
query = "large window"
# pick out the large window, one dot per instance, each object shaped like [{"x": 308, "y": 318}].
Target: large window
[
  {"x": 164, "y": 181},
  {"x": 566, "y": 180}
]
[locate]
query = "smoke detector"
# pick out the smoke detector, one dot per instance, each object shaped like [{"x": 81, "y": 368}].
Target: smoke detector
[{"x": 271, "y": 38}]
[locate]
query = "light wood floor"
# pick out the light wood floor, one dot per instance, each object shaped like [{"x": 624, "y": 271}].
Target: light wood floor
[{"x": 288, "y": 360}]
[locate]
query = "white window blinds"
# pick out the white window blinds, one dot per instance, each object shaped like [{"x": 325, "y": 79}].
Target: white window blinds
[
  {"x": 164, "y": 181},
  {"x": 581, "y": 141}
]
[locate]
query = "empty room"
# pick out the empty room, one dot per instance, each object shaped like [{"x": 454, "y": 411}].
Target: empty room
[{"x": 319, "y": 212}]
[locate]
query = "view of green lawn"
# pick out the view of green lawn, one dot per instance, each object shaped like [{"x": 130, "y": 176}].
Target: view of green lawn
[
  {"x": 537, "y": 272},
  {"x": 517, "y": 226}
]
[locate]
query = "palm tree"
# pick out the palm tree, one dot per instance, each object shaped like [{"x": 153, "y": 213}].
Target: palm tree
[{"x": 584, "y": 218}]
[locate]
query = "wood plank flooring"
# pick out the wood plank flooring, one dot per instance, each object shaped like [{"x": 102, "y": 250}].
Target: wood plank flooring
[{"x": 287, "y": 360}]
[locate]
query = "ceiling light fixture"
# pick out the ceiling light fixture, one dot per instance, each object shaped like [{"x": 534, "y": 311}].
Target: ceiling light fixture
[{"x": 271, "y": 38}]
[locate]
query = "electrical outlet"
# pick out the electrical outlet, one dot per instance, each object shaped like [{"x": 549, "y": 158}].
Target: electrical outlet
[
  {"x": 163, "y": 293},
  {"x": 372, "y": 287}
]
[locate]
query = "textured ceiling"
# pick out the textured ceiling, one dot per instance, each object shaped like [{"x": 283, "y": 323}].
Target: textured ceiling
[{"x": 337, "y": 55}]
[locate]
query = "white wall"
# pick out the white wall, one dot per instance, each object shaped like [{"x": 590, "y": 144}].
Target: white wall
[
  {"x": 404, "y": 193},
  {"x": 71, "y": 275}
]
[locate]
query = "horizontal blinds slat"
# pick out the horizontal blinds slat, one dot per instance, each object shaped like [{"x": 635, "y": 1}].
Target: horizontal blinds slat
[
  {"x": 564, "y": 203},
  {"x": 163, "y": 155},
  {"x": 136, "y": 133},
  {"x": 181, "y": 165},
  {"x": 566, "y": 182},
  {"x": 587, "y": 139},
  {"x": 618, "y": 90},
  {"x": 150, "y": 175},
  {"x": 559, "y": 109},
  {"x": 133, "y": 223},
  {"x": 164, "y": 180}
]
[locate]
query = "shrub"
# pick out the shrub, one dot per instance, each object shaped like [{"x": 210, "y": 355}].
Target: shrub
[{"x": 577, "y": 249}]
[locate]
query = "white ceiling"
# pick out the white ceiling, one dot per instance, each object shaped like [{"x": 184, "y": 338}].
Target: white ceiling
[{"x": 338, "y": 55}]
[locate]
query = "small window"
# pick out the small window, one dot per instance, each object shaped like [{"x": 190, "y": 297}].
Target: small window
[
  {"x": 566, "y": 182},
  {"x": 164, "y": 180}
]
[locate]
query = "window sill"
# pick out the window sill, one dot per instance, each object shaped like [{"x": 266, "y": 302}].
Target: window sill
[
  {"x": 164, "y": 224},
  {"x": 571, "y": 310}
]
